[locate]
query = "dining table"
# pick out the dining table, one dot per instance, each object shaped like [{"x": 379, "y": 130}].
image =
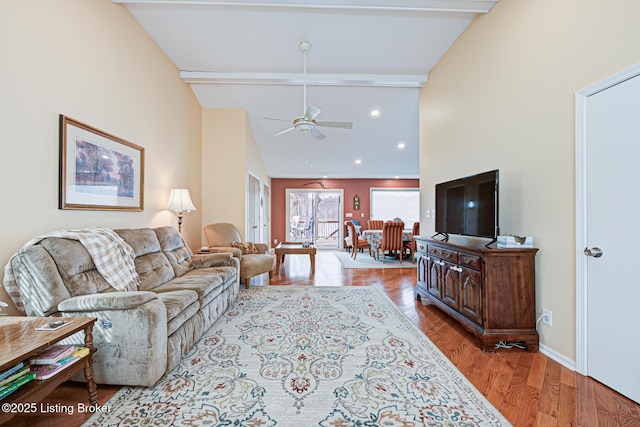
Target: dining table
[{"x": 374, "y": 238}]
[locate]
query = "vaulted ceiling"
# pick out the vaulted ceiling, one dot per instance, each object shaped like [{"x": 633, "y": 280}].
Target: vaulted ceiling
[{"x": 365, "y": 55}]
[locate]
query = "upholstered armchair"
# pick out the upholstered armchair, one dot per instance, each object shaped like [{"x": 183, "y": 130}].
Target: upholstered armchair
[
  {"x": 220, "y": 237},
  {"x": 392, "y": 239}
]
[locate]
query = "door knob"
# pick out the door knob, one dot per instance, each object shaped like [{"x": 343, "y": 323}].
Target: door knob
[{"x": 594, "y": 252}]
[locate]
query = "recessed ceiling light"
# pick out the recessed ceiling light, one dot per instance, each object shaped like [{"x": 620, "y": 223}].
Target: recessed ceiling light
[
  {"x": 358, "y": 161},
  {"x": 396, "y": 177},
  {"x": 324, "y": 176},
  {"x": 375, "y": 113},
  {"x": 401, "y": 145}
]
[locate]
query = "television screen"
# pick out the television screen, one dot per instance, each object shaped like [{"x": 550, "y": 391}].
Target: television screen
[{"x": 468, "y": 206}]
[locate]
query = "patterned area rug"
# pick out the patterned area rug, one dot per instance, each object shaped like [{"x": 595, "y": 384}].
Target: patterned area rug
[
  {"x": 364, "y": 260},
  {"x": 308, "y": 356}
]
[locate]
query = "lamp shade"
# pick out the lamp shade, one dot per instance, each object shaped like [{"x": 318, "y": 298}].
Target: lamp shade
[{"x": 180, "y": 201}]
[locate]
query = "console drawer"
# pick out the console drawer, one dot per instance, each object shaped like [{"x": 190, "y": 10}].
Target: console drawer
[
  {"x": 470, "y": 261},
  {"x": 445, "y": 254}
]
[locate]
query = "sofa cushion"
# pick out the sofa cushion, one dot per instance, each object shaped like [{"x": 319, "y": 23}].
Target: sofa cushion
[
  {"x": 152, "y": 265},
  {"x": 75, "y": 266},
  {"x": 51, "y": 289},
  {"x": 181, "y": 306},
  {"x": 208, "y": 283},
  {"x": 174, "y": 248}
]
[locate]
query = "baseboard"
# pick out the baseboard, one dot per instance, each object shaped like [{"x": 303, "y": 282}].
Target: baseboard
[{"x": 560, "y": 358}]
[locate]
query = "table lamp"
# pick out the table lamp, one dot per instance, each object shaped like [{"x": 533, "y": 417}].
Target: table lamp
[{"x": 180, "y": 202}]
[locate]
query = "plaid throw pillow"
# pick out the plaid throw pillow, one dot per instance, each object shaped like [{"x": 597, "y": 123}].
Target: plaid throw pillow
[{"x": 246, "y": 247}]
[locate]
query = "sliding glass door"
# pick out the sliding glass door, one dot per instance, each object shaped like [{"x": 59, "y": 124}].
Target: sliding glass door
[{"x": 314, "y": 216}]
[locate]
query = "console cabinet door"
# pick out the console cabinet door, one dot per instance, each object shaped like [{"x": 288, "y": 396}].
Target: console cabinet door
[
  {"x": 471, "y": 295},
  {"x": 450, "y": 286},
  {"x": 434, "y": 278},
  {"x": 423, "y": 271}
]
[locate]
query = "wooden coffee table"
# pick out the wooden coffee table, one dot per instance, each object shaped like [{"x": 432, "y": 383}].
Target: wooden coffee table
[
  {"x": 19, "y": 340},
  {"x": 295, "y": 248}
]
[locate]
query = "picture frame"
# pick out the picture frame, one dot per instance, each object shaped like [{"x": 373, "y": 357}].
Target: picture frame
[{"x": 99, "y": 171}]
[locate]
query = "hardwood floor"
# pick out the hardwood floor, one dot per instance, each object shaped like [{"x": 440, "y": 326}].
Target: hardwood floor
[{"x": 529, "y": 389}]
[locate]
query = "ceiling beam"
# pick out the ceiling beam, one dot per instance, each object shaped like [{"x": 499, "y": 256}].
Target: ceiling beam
[
  {"x": 379, "y": 80},
  {"x": 464, "y": 6}
]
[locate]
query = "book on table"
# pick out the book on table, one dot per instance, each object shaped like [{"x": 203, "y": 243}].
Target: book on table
[
  {"x": 46, "y": 371},
  {"x": 14, "y": 375},
  {"x": 24, "y": 375},
  {"x": 52, "y": 354},
  {"x": 4, "y": 374}
]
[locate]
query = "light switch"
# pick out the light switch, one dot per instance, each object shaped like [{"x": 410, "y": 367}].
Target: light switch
[{"x": 362, "y": 214}]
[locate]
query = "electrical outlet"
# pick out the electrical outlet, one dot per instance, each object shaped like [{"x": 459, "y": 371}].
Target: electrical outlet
[
  {"x": 275, "y": 241},
  {"x": 546, "y": 317}
]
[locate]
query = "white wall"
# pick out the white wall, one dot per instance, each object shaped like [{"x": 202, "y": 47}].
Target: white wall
[
  {"x": 91, "y": 61},
  {"x": 229, "y": 153},
  {"x": 503, "y": 98}
]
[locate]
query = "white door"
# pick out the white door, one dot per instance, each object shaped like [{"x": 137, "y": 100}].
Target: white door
[
  {"x": 610, "y": 236},
  {"x": 253, "y": 210}
]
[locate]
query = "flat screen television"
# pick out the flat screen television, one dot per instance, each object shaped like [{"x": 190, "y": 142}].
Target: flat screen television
[{"x": 468, "y": 206}]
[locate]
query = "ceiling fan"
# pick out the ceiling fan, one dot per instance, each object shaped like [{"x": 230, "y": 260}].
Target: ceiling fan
[{"x": 307, "y": 122}]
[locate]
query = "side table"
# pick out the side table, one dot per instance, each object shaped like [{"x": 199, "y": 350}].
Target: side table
[{"x": 19, "y": 341}]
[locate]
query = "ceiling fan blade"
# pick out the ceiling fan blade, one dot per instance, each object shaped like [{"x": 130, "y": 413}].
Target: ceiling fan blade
[
  {"x": 316, "y": 134},
  {"x": 280, "y": 120},
  {"x": 312, "y": 113},
  {"x": 284, "y": 131},
  {"x": 342, "y": 125}
]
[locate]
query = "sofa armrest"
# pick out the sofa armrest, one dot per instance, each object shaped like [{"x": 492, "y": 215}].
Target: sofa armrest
[
  {"x": 106, "y": 301},
  {"x": 216, "y": 259},
  {"x": 235, "y": 251},
  {"x": 130, "y": 335}
]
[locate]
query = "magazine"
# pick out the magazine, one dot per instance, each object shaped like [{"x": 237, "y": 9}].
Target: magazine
[{"x": 54, "y": 325}]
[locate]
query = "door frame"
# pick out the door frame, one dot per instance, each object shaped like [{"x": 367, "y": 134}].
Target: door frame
[
  {"x": 581, "y": 101},
  {"x": 265, "y": 212}
]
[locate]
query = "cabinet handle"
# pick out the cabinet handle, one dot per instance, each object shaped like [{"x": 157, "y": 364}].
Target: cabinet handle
[
  {"x": 458, "y": 269},
  {"x": 427, "y": 258},
  {"x": 440, "y": 263}
]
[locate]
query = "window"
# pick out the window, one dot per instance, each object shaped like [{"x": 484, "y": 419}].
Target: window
[{"x": 390, "y": 203}]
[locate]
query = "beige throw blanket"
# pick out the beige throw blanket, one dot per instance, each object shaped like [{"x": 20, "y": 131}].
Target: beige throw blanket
[{"x": 113, "y": 257}]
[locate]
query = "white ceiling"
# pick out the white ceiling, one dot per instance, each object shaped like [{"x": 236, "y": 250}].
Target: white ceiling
[{"x": 365, "y": 55}]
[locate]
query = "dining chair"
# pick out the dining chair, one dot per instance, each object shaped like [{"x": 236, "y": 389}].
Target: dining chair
[
  {"x": 348, "y": 237},
  {"x": 392, "y": 239},
  {"x": 375, "y": 224},
  {"x": 357, "y": 243},
  {"x": 411, "y": 244}
]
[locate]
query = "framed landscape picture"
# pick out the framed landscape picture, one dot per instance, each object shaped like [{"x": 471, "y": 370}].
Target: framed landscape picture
[{"x": 99, "y": 171}]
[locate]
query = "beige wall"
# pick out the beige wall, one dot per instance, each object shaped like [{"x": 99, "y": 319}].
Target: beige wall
[
  {"x": 91, "y": 61},
  {"x": 503, "y": 97},
  {"x": 229, "y": 153}
]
